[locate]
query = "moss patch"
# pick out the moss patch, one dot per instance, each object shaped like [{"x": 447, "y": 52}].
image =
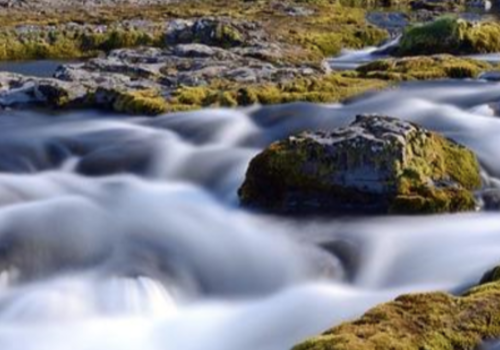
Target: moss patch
[
  {"x": 70, "y": 43},
  {"x": 424, "y": 68},
  {"x": 329, "y": 88},
  {"x": 436, "y": 321},
  {"x": 146, "y": 102},
  {"x": 433, "y": 163},
  {"x": 450, "y": 35}
]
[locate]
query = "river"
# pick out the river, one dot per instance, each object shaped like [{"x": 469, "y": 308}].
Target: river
[{"x": 124, "y": 233}]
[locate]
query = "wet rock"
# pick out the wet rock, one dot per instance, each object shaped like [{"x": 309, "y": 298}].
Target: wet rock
[
  {"x": 145, "y": 80},
  {"x": 18, "y": 90},
  {"x": 375, "y": 165},
  {"x": 491, "y": 199}
]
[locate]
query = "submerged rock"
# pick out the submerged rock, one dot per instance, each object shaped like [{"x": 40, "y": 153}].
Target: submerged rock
[
  {"x": 375, "y": 165},
  {"x": 491, "y": 199},
  {"x": 437, "y": 321}
]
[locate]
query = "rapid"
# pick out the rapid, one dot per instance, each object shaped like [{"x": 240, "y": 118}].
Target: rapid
[{"x": 125, "y": 233}]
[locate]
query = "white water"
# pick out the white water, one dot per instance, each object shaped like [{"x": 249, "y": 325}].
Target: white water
[
  {"x": 352, "y": 59},
  {"x": 163, "y": 258}
]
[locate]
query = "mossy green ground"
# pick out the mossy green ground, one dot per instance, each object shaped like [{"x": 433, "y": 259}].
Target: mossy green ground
[
  {"x": 424, "y": 68},
  {"x": 450, "y": 35},
  {"x": 330, "y": 28},
  {"x": 430, "y": 321},
  {"x": 328, "y": 88},
  {"x": 147, "y": 102},
  {"x": 55, "y": 43}
]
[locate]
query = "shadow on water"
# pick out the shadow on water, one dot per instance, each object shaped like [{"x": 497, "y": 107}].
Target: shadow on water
[{"x": 39, "y": 68}]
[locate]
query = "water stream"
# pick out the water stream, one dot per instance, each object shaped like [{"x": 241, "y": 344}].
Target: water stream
[{"x": 125, "y": 233}]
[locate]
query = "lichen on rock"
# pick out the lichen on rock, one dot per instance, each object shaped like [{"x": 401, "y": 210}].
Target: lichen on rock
[{"x": 377, "y": 164}]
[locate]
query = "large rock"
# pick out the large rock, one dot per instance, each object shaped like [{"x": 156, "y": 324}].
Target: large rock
[
  {"x": 375, "y": 165},
  {"x": 450, "y": 35}
]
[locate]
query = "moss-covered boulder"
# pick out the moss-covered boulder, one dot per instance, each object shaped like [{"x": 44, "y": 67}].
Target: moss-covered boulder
[
  {"x": 430, "y": 321},
  {"x": 424, "y": 68},
  {"x": 375, "y": 165},
  {"x": 450, "y": 35}
]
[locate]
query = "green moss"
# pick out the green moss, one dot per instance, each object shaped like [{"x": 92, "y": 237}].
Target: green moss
[
  {"x": 54, "y": 43},
  {"x": 423, "y": 173},
  {"x": 328, "y": 88},
  {"x": 424, "y": 68},
  {"x": 432, "y": 159},
  {"x": 146, "y": 102},
  {"x": 450, "y": 35},
  {"x": 436, "y": 321},
  {"x": 331, "y": 28}
]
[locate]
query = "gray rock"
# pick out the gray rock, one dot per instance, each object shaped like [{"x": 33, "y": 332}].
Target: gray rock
[
  {"x": 375, "y": 165},
  {"x": 18, "y": 90}
]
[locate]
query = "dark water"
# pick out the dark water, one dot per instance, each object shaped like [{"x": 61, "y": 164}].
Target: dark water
[{"x": 44, "y": 69}]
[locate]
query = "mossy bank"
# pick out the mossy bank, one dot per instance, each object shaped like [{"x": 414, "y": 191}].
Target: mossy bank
[
  {"x": 450, "y": 35},
  {"x": 437, "y": 321},
  {"x": 321, "y": 28}
]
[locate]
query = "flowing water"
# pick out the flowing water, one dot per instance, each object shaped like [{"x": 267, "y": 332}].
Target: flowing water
[{"x": 124, "y": 233}]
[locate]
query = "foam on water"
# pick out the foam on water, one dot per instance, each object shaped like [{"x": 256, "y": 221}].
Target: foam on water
[{"x": 124, "y": 233}]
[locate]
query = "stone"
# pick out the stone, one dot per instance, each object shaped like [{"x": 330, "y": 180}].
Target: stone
[
  {"x": 450, "y": 35},
  {"x": 435, "y": 320},
  {"x": 19, "y": 90},
  {"x": 491, "y": 199},
  {"x": 220, "y": 31},
  {"x": 377, "y": 164}
]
